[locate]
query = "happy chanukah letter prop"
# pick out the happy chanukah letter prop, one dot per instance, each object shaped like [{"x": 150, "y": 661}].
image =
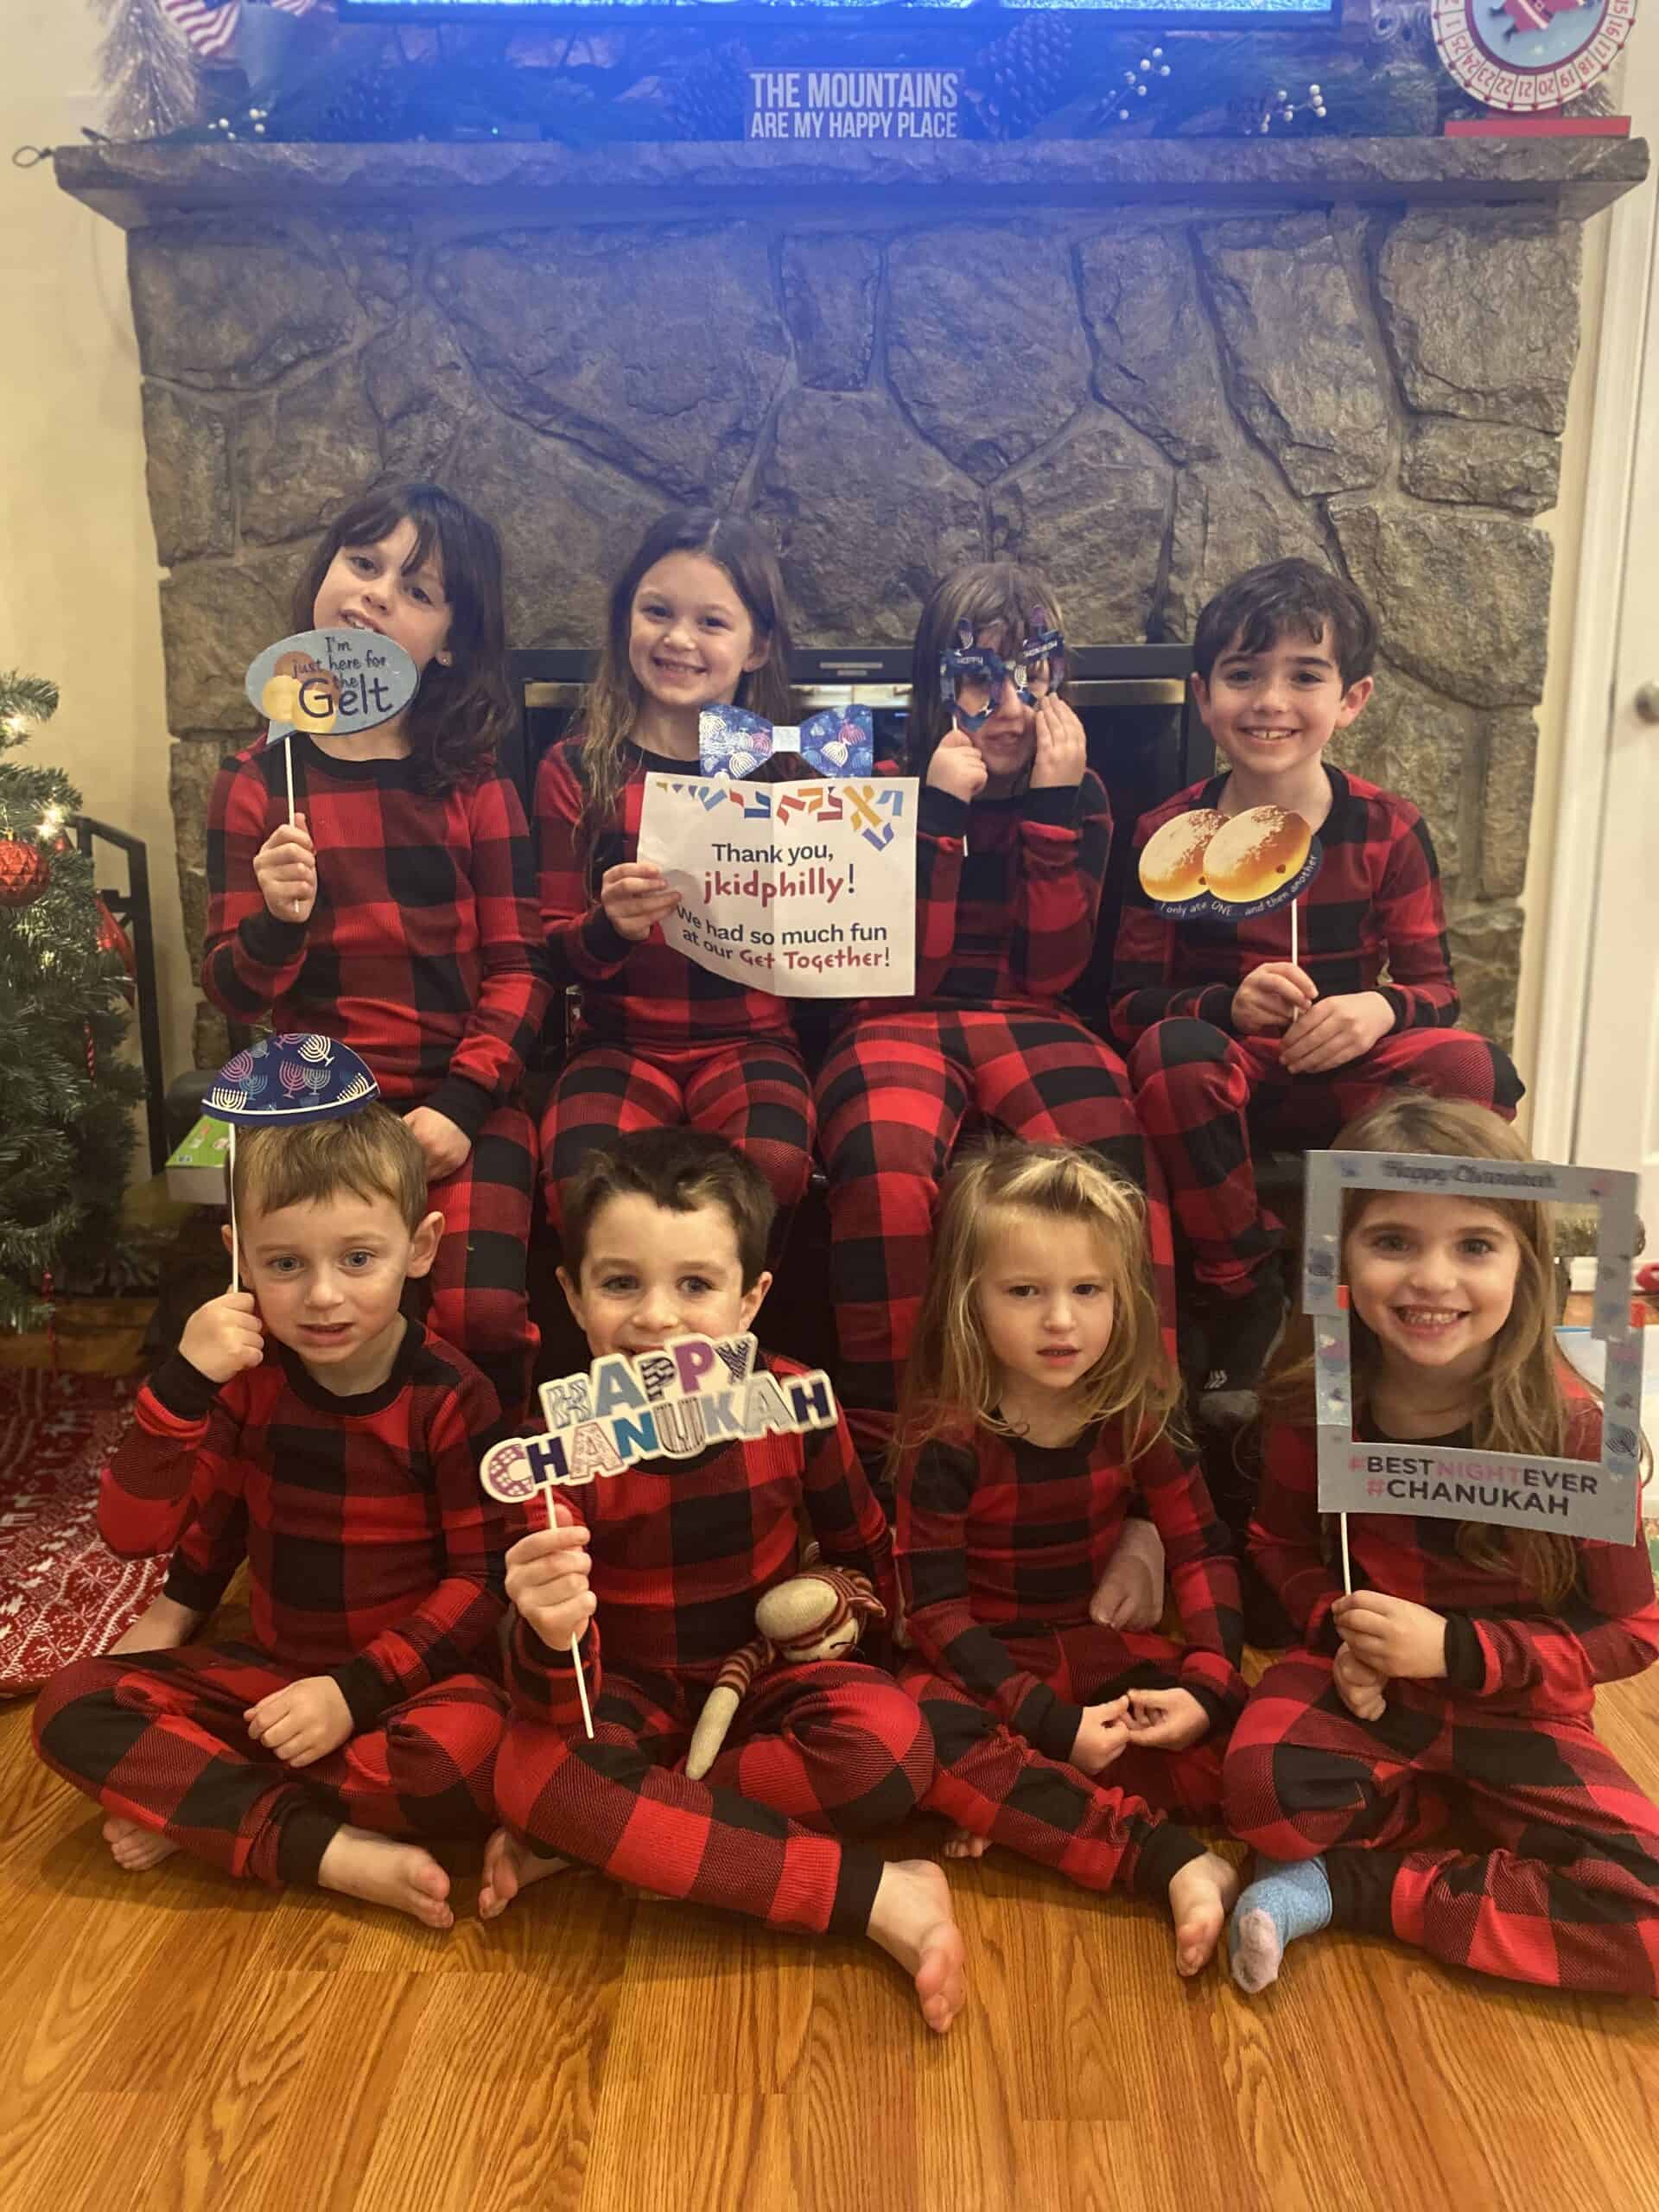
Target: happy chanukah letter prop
[
  {"x": 804, "y": 889},
  {"x": 1206, "y": 866},
  {"x": 329, "y": 683},
  {"x": 1570, "y": 1498},
  {"x": 839, "y": 741},
  {"x": 695, "y": 1392},
  {"x": 282, "y": 1079}
]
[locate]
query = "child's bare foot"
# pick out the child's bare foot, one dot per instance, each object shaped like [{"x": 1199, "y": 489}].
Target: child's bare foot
[
  {"x": 1200, "y": 1897},
  {"x": 913, "y": 1921},
  {"x": 402, "y": 1875},
  {"x": 510, "y": 1867},
  {"x": 136, "y": 1849},
  {"x": 163, "y": 1625},
  {"x": 962, "y": 1843}
]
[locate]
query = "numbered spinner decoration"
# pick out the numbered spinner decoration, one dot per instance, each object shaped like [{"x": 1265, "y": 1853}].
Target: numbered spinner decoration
[{"x": 1529, "y": 57}]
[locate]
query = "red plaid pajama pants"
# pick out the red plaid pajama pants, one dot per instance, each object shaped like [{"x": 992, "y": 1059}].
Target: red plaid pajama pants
[
  {"x": 756, "y": 1095},
  {"x": 1106, "y": 1834},
  {"x": 478, "y": 1301},
  {"x": 158, "y": 1737},
  {"x": 1568, "y": 1897},
  {"x": 893, "y": 1098},
  {"x": 1202, "y": 1095},
  {"x": 814, "y": 1752}
]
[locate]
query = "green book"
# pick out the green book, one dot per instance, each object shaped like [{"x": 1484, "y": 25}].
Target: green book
[{"x": 196, "y": 1169}]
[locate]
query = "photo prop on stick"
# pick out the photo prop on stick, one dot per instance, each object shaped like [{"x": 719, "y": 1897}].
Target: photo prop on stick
[
  {"x": 278, "y": 1080},
  {"x": 770, "y": 877},
  {"x": 972, "y": 678},
  {"x": 695, "y": 1392},
  {"x": 1207, "y": 866},
  {"x": 838, "y": 741},
  {"x": 329, "y": 683},
  {"x": 1570, "y": 1498}
]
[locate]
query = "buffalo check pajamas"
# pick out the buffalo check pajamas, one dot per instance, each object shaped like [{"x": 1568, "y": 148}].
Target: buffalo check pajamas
[
  {"x": 1566, "y": 1892},
  {"x": 423, "y": 954},
  {"x": 661, "y": 1042},
  {"x": 1007, "y": 895},
  {"x": 816, "y": 1754},
  {"x": 1002, "y": 1544},
  {"x": 1203, "y": 1092},
  {"x": 375, "y": 1559}
]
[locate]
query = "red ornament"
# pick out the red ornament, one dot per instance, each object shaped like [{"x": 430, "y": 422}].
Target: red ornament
[
  {"x": 111, "y": 938},
  {"x": 24, "y": 872}
]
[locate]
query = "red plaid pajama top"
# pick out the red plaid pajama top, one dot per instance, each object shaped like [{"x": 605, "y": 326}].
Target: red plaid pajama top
[
  {"x": 423, "y": 952},
  {"x": 1376, "y": 901},
  {"x": 1501, "y": 1645},
  {"x": 997, "y": 1537},
  {"x": 644, "y": 993},
  {"x": 682, "y": 1548},
  {"x": 374, "y": 1555}
]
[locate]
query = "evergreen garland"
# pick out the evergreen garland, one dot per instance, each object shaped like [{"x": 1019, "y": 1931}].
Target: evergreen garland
[{"x": 66, "y": 1134}]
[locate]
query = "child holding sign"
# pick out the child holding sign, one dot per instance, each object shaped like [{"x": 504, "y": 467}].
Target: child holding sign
[
  {"x": 1034, "y": 1424},
  {"x": 307, "y": 1425},
  {"x": 1015, "y": 829},
  {"x": 696, "y": 619},
  {"x": 1459, "y": 1678},
  {"x": 666, "y": 1236},
  {"x": 1229, "y": 1036},
  {"x": 396, "y": 913}
]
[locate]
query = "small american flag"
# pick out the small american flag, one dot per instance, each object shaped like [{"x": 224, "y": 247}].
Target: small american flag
[{"x": 211, "y": 25}]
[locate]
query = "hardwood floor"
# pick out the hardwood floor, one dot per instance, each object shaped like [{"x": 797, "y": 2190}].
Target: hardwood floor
[{"x": 171, "y": 2040}]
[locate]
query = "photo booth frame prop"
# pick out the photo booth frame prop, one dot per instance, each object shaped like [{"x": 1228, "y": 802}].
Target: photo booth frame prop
[
  {"x": 329, "y": 683},
  {"x": 277, "y": 1081},
  {"x": 693, "y": 1394},
  {"x": 1599, "y": 1500}
]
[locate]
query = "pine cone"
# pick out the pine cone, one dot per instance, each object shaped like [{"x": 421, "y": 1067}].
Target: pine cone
[
  {"x": 371, "y": 110},
  {"x": 707, "y": 99},
  {"x": 1029, "y": 73}
]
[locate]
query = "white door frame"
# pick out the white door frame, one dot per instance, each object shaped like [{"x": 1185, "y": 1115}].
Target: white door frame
[{"x": 1570, "y": 924}]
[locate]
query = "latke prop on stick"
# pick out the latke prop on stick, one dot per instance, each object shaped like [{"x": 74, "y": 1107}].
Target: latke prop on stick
[
  {"x": 329, "y": 683},
  {"x": 695, "y": 1393},
  {"x": 279, "y": 1080}
]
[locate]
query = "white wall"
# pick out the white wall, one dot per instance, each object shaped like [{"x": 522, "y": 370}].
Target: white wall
[{"x": 77, "y": 574}]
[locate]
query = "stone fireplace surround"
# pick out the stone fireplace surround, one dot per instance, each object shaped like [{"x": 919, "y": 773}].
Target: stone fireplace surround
[{"x": 1141, "y": 366}]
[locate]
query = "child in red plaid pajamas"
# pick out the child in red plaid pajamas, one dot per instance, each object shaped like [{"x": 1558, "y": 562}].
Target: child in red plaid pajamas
[
  {"x": 1458, "y": 1683},
  {"x": 306, "y": 1425},
  {"x": 696, "y": 619},
  {"x": 1229, "y": 1039},
  {"x": 398, "y": 912},
  {"x": 666, "y": 1235},
  {"x": 1033, "y": 1424},
  {"x": 1015, "y": 829}
]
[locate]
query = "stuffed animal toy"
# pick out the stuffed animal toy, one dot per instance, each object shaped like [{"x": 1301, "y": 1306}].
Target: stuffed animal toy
[{"x": 817, "y": 1614}]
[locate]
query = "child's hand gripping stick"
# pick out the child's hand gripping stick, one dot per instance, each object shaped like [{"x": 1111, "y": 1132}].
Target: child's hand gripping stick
[{"x": 547, "y": 1585}]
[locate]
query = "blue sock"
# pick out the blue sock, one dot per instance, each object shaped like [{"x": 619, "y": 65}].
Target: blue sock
[{"x": 1287, "y": 1898}]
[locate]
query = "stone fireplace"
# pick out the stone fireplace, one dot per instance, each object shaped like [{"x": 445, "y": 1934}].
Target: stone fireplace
[{"x": 1139, "y": 366}]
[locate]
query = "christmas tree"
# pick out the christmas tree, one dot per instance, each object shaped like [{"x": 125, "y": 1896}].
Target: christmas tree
[{"x": 65, "y": 1097}]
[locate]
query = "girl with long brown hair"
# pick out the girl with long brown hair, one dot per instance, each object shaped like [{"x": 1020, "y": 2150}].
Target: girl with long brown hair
[
  {"x": 696, "y": 619},
  {"x": 1034, "y": 1424},
  {"x": 1460, "y": 1677}
]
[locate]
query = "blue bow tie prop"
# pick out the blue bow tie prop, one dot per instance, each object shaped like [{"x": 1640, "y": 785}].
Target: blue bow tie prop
[
  {"x": 282, "y": 1079},
  {"x": 839, "y": 741}
]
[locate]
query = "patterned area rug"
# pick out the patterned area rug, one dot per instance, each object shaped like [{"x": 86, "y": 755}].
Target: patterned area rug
[{"x": 63, "y": 1595}]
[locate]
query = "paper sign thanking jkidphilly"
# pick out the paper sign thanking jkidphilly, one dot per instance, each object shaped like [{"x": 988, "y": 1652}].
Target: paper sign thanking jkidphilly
[
  {"x": 695, "y": 1393},
  {"x": 807, "y": 889},
  {"x": 1568, "y": 1498}
]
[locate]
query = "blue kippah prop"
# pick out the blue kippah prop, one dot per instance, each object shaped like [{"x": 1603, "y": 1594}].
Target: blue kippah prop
[{"x": 279, "y": 1080}]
